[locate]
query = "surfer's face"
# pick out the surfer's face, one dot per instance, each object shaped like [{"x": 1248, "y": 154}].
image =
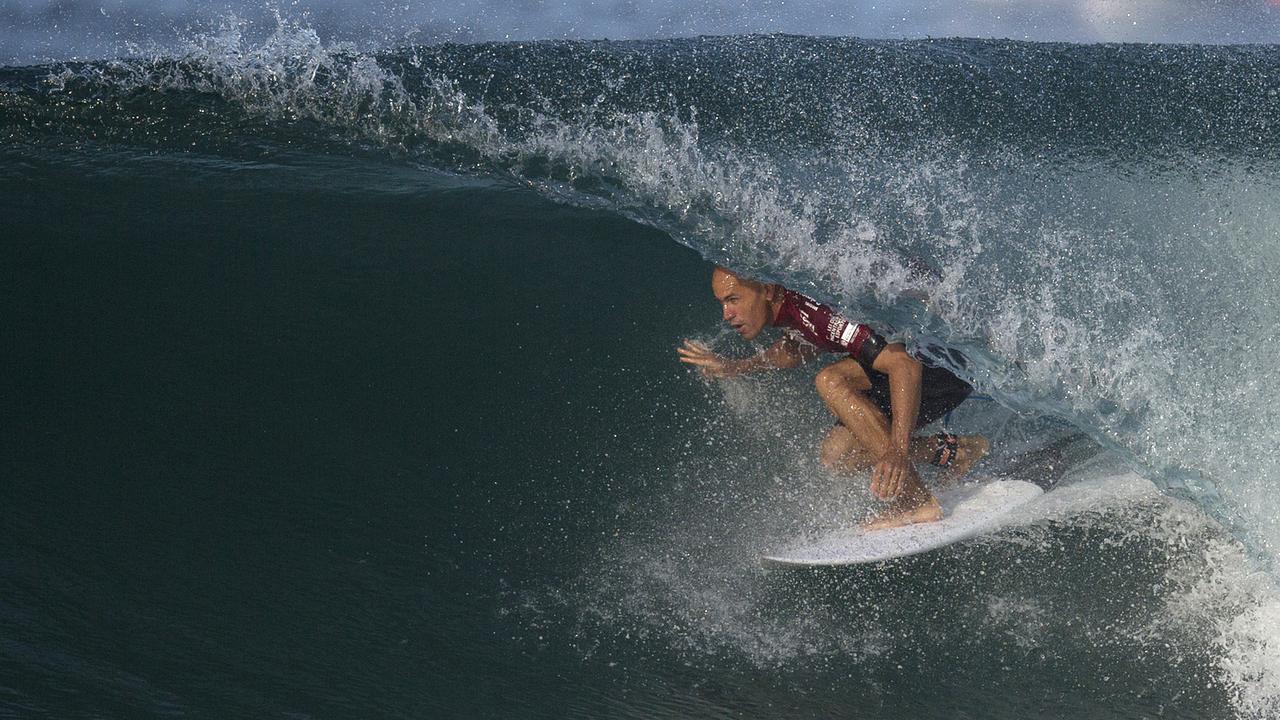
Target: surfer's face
[{"x": 745, "y": 303}]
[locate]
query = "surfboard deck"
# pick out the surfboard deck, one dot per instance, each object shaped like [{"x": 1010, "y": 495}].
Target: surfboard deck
[{"x": 969, "y": 511}]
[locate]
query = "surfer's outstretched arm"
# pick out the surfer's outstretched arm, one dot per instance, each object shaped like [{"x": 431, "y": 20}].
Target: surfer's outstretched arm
[{"x": 785, "y": 353}]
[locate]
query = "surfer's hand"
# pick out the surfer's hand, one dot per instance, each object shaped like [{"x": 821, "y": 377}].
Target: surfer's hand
[
  {"x": 707, "y": 361},
  {"x": 890, "y": 476}
]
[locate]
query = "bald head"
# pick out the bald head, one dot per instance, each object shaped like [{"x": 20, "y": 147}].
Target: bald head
[
  {"x": 723, "y": 274},
  {"x": 748, "y": 305}
]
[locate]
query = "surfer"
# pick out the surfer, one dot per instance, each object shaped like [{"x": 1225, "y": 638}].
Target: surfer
[{"x": 879, "y": 394}]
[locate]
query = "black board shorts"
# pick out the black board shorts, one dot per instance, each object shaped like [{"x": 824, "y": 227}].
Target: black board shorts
[{"x": 940, "y": 393}]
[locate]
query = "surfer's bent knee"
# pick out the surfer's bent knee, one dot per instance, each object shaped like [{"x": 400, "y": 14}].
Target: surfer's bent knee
[{"x": 842, "y": 375}]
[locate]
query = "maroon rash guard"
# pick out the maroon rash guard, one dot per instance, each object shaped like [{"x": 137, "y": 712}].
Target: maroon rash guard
[{"x": 818, "y": 325}]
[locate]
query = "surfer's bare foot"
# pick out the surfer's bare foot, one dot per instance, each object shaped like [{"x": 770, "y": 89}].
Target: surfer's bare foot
[
  {"x": 970, "y": 449},
  {"x": 897, "y": 515}
]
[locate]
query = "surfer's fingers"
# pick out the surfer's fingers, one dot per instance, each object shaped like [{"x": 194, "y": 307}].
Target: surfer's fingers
[
  {"x": 886, "y": 481},
  {"x": 877, "y": 481}
]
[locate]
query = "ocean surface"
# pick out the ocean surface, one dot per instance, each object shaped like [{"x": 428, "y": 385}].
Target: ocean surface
[{"x": 342, "y": 384}]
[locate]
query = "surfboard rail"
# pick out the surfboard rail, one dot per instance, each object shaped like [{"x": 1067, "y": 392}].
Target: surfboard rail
[{"x": 968, "y": 511}]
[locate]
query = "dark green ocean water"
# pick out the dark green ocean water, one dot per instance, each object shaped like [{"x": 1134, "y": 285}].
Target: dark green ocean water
[{"x": 312, "y": 413}]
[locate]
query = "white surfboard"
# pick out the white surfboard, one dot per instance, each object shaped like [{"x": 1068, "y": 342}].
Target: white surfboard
[{"x": 967, "y": 512}]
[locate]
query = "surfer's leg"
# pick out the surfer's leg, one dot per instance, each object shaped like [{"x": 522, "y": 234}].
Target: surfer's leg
[
  {"x": 840, "y": 451},
  {"x": 941, "y": 392},
  {"x": 843, "y": 386},
  {"x": 954, "y": 454}
]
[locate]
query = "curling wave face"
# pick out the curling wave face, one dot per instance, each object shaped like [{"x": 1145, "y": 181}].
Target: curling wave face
[{"x": 1099, "y": 253}]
